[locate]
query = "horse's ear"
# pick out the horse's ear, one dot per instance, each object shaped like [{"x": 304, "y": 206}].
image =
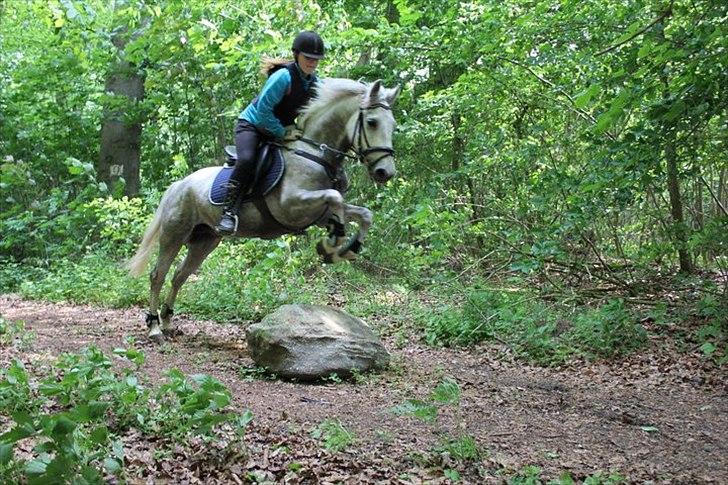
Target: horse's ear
[
  {"x": 392, "y": 95},
  {"x": 372, "y": 95}
]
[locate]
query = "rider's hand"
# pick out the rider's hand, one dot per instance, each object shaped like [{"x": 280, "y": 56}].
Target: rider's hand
[{"x": 292, "y": 134}]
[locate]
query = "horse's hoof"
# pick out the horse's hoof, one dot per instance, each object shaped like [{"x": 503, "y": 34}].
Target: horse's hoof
[
  {"x": 172, "y": 332},
  {"x": 157, "y": 338},
  {"x": 321, "y": 250},
  {"x": 349, "y": 256},
  {"x": 326, "y": 256}
]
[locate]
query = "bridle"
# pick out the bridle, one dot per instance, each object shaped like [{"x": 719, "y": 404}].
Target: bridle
[
  {"x": 362, "y": 154},
  {"x": 360, "y": 135}
]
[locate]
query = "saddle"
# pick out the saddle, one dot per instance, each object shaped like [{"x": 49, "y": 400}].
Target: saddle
[{"x": 269, "y": 169}]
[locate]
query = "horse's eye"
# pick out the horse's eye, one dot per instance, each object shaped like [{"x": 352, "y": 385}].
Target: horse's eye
[{"x": 372, "y": 123}]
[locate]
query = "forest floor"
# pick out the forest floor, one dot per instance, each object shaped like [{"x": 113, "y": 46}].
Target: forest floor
[{"x": 659, "y": 415}]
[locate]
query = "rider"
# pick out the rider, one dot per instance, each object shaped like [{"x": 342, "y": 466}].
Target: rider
[{"x": 285, "y": 92}]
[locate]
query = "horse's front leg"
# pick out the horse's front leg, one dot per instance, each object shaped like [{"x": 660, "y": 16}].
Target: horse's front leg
[
  {"x": 311, "y": 201},
  {"x": 334, "y": 248},
  {"x": 363, "y": 218},
  {"x": 198, "y": 249}
]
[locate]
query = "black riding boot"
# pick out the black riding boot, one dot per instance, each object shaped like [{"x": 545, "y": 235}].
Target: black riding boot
[{"x": 229, "y": 220}]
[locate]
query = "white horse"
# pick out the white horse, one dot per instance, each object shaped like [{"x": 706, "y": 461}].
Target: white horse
[{"x": 345, "y": 116}]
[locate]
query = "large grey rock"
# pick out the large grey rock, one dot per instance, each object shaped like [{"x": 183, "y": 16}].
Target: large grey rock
[{"x": 311, "y": 341}]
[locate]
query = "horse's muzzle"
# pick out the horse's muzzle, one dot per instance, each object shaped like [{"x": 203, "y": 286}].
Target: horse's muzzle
[{"x": 382, "y": 175}]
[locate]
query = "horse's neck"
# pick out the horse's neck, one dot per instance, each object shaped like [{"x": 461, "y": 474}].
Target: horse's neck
[{"x": 333, "y": 126}]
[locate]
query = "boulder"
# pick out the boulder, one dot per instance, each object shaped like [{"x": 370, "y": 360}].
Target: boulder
[{"x": 311, "y": 341}]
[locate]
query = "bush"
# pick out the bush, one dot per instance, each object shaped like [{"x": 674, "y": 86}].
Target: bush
[
  {"x": 607, "y": 331},
  {"x": 95, "y": 279},
  {"x": 531, "y": 329}
]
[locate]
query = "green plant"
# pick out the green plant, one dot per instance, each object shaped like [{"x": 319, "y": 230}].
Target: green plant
[
  {"x": 191, "y": 405},
  {"x": 463, "y": 448},
  {"x": 419, "y": 409},
  {"x": 531, "y": 475},
  {"x": 255, "y": 373},
  {"x": 92, "y": 279},
  {"x": 80, "y": 408},
  {"x": 16, "y": 393},
  {"x": 14, "y": 334},
  {"x": 447, "y": 392},
  {"x": 334, "y": 435},
  {"x": 607, "y": 331}
]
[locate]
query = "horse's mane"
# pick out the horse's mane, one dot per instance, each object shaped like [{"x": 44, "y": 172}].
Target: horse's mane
[{"x": 331, "y": 90}]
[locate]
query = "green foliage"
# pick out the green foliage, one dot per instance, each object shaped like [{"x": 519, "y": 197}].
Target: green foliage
[
  {"x": 417, "y": 408},
  {"x": 463, "y": 448},
  {"x": 713, "y": 335},
  {"x": 531, "y": 475},
  {"x": 14, "y": 334},
  {"x": 57, "y": 224},
  {"x": 533, "y": 330},
  {"x": 334, "y": 436},
  {"x": 91, "y": 280},
  {"x": 247, "y": 280},
  {"x": 607, "y": 331},
  {"x": 119, "y": 224},
  {"x": 447, "y": 392},
  {"x": 76, "y": 414},
  {"x": 16, "y": 394},
  {"x": 540, "y": 142}
]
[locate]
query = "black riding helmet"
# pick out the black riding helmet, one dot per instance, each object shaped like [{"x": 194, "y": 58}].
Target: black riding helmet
[{"x": 309, "y": 44}]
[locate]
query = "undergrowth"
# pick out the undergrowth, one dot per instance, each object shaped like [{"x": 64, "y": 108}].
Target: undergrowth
[
  {"x": 244, "y": 280},
  {"x": 69, "y": 423},
  {"x": 538, "y": 332}
]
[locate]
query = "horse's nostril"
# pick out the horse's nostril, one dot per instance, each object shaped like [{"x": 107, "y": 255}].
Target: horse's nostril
[{"x": 381, "y": 175}]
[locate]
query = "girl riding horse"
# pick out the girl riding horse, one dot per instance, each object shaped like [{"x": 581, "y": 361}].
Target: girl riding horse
[{"x": 289, "y": 87}]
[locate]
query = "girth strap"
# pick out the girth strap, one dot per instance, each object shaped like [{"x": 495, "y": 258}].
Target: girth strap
[
  {"x": 262, "y": 206},
  {"x": 330, "y": 171}
]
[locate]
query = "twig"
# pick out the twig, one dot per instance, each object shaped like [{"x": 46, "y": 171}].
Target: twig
[
  {"x": 585, "y": 115},
  {"x": 662, "y": 16},
  {"x": 603, "y": 263},
  {"x": 715, "y": 197}
]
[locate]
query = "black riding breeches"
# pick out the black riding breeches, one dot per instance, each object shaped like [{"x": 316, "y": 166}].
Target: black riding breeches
[{"x": 247, "y": 138}]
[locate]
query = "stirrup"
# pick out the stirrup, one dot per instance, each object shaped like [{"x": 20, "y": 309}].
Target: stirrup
[{"x": 225, "y": 230}]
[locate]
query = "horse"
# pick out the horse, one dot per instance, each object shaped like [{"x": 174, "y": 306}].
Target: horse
[{"x": 345, "y": 120}]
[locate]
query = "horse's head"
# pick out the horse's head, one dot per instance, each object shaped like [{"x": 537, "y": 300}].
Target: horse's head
[{"x": 373, "y": 133}]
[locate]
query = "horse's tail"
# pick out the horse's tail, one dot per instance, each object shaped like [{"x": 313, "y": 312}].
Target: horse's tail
[{"x": 138, "y": 263}]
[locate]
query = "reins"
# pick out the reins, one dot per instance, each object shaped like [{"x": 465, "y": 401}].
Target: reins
[
  {"x": 359, "y": 135},
  {"x": 333, "y": 168}
]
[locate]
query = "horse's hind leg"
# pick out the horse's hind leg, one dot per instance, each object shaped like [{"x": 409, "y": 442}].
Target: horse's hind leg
[
  {"x": 200, "y": 245},
  {"x": 168, "y": 249}
]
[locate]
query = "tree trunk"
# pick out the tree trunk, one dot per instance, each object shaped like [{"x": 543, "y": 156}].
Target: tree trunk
[
  {"x": 680, "y": 236},
  {"x": 720, "y": 191},
  {"x": 121, "y": 131}
]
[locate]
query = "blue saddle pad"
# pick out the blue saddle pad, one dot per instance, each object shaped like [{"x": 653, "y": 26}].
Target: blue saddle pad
[{"x": 218, "y": 189}]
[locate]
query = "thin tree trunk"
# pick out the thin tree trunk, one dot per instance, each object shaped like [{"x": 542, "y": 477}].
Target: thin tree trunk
[
  {"x": 680, "y": 238},
  {"x": 720, "y": 192}
]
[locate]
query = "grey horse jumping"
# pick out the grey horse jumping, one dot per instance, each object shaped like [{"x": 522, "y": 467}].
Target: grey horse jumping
[{"x": 346, "y": 116}]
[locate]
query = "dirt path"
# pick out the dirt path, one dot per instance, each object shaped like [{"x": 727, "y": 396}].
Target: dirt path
[{"x": 659, "y": 416}]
